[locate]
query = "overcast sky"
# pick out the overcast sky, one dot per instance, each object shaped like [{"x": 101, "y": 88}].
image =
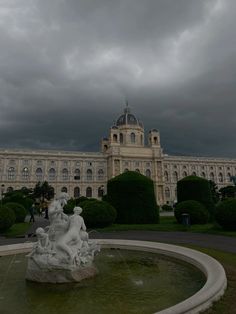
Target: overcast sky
[{"x": 67, "y": 66}]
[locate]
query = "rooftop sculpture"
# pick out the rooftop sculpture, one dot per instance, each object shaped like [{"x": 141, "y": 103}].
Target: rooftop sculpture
[{"x": 63, "y": 251}]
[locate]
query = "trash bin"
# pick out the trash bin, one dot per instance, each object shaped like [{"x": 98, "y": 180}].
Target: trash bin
[{"x": 185, "y": 219}]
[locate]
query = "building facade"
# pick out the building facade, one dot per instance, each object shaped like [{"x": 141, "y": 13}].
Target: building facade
[{"x": 82, "y": 173}]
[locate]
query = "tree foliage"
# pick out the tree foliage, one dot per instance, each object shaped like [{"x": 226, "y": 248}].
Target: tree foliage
[
  {"x": 198, "y": 189},
  {"x": 227, "y": 192},
  {"x": 43, "y": 190},
  {"x": 226, "y": 214},
  {"x": 196, "y": 210},
  {"x": 132, "y": 195}
]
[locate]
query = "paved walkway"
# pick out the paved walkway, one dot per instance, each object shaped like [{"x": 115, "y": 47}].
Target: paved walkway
[{"x": 223, "y": 243}]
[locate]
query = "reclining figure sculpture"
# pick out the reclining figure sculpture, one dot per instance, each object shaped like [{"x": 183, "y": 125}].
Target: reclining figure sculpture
[{"x": 63, "y": 251}]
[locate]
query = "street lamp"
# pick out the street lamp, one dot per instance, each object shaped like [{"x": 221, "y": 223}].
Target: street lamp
[{"x": 2, "y": 192}]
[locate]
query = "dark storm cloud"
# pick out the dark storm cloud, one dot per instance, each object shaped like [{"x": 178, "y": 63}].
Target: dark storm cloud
[{"x": 66, "y": 67}]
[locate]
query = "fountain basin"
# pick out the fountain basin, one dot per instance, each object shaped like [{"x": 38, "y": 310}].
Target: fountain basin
[{"x": 215, "y": 275}]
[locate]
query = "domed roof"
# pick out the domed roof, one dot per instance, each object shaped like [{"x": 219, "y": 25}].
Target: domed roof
[{"x": 128, "y": 118}]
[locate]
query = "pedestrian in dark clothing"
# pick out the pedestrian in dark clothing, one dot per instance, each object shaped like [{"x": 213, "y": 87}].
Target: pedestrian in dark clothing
[{"x": 31, "y": 211}]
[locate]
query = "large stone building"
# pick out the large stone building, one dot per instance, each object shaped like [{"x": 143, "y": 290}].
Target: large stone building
[{"x": 82, "y": 173}]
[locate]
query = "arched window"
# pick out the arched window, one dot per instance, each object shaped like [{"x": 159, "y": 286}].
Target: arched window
[
  {"x": 166, "y": 176},
  {"x": 212, "y": 177},
  {"x": 155, "y": 140},
  {"x": 185, "y": 174},
  {"x": 148, "y": 173},
  {"x": 76, "y": 192},
  {"x": 65, "y": 174},
  {"x": 52, "y": 174},
  {"x": 64, "y": 189},
  {"x": 137, "y": 170},
  {"x": 167, "y": 193},
  {"x": 194, "y": 173},
  {"x": 10, "y": 189},
  {"x": 141, "y": 139},
  {"x": 121, "y": 138},
  {"x": 175, "y": 176},
  {"x": 126, "y": 169},
  {"x": 100, "y": 174},
  {"x": 100, "y": 191},
  {"x": 220, "y": 177},
  {"x": 77, "y": 174},
  {"x": 132, "y": 137},
  {"x": 39, "y": 174},
  {"x": 203, "y": 175},
  {"x": 89, "y": 192},
  {"x": 11, "y": 174},
  {"x": 228, "y": 177},
  {"x": 115, "y": 137},
  {"x": 25, "y": 173},
  {"x": 89, "y": 174}
]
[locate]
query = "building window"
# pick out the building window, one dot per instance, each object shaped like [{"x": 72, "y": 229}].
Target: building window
[
  {"x": 100, "y": 174},
  {"x": 25, "y": 173},
  {"x": 175, "y": 176},
  {"x": 212, "y": 177},
  {"x": 121, "y": 138},
  {"x": 185, "y": 174},
  {"x": 203, "y": 175},
  {"x": 167, "y": 193},
  {"x": 101, "y": 191},
  {"x": 137, "y": 170},
  {"x": 65, "y": 174},
  {"x": 77, "y": 174},
  {"x": 220, "y": 177},
  {"x": 126, "y": 169},
  {"x": 64, "y": 189},
  {"x": 132, "y": 137},
  {"x": 228, "y": 177},
  {"x": 194, "y": 173},
  {"x": 89, "y": 192},
  {"x": 166, "y": 176},
  {"x": 89, "y": 175},
  {"x": 10, "y": 189},
  {"x": 52, "y": 174},
  {"x": 148, "y": 173},
  {"x": 76, "y": 192},
  {"x": 39, "y": 174},
  {"x": 11, "y": 174},
  {"x": 115, "y": 138}
]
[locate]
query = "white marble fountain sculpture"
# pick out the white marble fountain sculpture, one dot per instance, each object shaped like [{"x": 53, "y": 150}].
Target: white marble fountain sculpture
[{"x": 63, "y": 252}]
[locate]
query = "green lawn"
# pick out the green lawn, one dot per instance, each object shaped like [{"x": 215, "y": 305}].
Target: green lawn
[
  {"x": 170, "y": 224},
  {"x": 227, "y": 304}
]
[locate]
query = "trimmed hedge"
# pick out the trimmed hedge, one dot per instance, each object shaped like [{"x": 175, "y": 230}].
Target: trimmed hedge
[
  {"x": 226, "y": 214},
  {"x": 197, "y": 212},
  {"x": 7, "y": 218},
  {"x": 198, "y": 189},
  {"x": 19, "y": 198},
  {"x": 98, "y": 213},
  {"x": 132, "y": 195},
  {"x": 19, "y": 210},
  {"x": 68, "y": 208}
]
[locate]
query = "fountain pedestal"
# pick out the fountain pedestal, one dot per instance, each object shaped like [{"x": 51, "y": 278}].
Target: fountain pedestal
[{"x": 63, "y": 252}]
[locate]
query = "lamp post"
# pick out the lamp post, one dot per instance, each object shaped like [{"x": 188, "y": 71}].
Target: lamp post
[{"x": 2, "y": 192}]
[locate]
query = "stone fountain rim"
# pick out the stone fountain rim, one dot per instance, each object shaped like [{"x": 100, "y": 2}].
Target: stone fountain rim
[{"x": 213, "y": 289}]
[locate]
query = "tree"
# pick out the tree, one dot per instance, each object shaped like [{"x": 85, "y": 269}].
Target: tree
[
  {"x": 43, "y": 190},
  {"x": 214, "y": 192},
  {"x": 227, "y": 192}
]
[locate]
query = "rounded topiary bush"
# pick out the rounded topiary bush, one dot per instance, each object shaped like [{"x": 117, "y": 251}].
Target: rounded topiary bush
[
  {"x": 98, "y": 213},
  {"x": 133, "y": 197},
  {"x": 197, "y": 212},
  {"x": 167, "y": 208},
  {"x": 7, "y": 218},
  {"x": 19, "y": 210},
  {"x": 226, "y": 214},
  {"x": 198, "y": 189}
]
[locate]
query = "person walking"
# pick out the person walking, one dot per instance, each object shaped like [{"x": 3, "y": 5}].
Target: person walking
[{"x": 31, "y": 211}]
